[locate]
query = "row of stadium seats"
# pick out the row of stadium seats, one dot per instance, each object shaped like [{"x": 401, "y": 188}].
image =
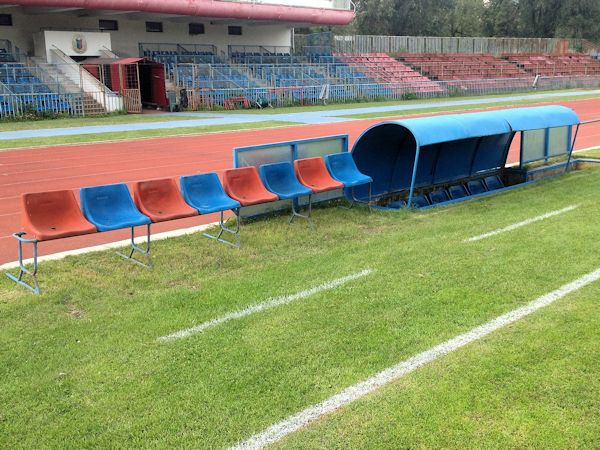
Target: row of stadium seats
[
  {"x": 56, "y": 215},
  {"x": 382, "y": 68},
  {"x": 31, "y": 93},
  {"x": 549, "y": 64},
  {"x": 461, "y": 66},
  {"x": 455, "y": 192}
]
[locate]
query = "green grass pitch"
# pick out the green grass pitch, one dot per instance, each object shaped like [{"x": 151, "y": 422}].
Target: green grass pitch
[{"x": 81, "y": 367}]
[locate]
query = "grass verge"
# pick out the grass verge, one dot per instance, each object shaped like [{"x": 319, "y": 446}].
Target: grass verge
[
  {"x": 356, "y": 105},
  {"x": 138, "y": 134},
  {"x": 72, "y": 122},
  {"x": 80, "y": 366},
  {"x": 593, "y": 153}
]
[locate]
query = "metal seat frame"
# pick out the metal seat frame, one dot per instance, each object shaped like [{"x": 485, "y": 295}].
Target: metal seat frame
[
  {"x": 23, "y": 270},
  {"x": 223, "y": 229},
  {"x": 135, "y": 248}
]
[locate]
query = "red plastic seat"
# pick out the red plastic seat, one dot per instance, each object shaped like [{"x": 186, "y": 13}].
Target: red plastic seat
[
  {"x": 161, "y": 200},
  {"x": 53, "y": 215},
  {"x": 244, "y": 185},
  {"x": 313, "y": 173}
]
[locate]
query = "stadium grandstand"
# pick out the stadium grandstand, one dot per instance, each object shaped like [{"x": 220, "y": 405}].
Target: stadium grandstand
[{"x": 80, "y": 57}]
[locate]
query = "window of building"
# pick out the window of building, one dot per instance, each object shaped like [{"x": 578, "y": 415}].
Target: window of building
[
  {"x": 235, "y": 30},
  {"x": 196, "y": 28},
  {"x": 5, "y": 20},
  {"x": 154, "y": 27},
  {"x": 108, "y": 25}
]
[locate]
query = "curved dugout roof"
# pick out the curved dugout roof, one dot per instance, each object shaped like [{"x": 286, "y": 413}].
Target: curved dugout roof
[{"x": 449, "y": 147}]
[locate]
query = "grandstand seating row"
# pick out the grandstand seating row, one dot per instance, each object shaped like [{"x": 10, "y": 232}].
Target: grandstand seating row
[
  {"x": 555, "y": 64},
  {"x": 459, "y": 66},
  {"x": 56, "y": 215},
  {"x": 382, "y": 68},
  {"x": 30, "y": 91}
]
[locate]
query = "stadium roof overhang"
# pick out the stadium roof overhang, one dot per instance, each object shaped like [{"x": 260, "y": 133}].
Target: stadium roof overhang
[
  {"x": 217, "y": 9},
  {"x": 430, "y": 151}
]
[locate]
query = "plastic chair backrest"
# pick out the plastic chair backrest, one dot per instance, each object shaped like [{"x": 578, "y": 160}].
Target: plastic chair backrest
[
  {"x": 494, "y": 182},
  {"x": 438, "y": 196},
  {"x": 280, "y": 179},
  {"x": 205, "y": 193},
  {"x": 110, "y": 207},
  {"x": 457, "y": 191},
  {"x": 476, "y": 187},
  {"x": 244, "y": 185},
  {"x": 161, "y": 200},
  {"x": 419, "y": 201},
  {"x": 342, "y": 167},
  {"x": 313, "y": 173},
  {"x": 53, "y": 215}
]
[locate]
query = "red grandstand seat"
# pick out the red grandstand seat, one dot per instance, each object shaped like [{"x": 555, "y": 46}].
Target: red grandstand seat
[
  {"x": 161, "y": 200},
  {"x": 53, "y": 215},
  {"x": 313, "y": 173},
  {"x": 244, "y": 185}
]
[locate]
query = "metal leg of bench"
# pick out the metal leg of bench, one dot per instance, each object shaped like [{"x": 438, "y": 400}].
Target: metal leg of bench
[
  {"x": 354, "y": 200},
  {"x": 307, "y": 216},
  {"x": 23, "y": 270},
  {"x": 145, "y": 252},
  {"x": 224, "y": 230}
]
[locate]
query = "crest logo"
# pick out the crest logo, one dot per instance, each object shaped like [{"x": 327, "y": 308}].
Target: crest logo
[{"x": 79, "y": 43}]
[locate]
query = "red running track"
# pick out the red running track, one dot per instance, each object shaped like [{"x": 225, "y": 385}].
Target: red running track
[{"x": 71, "y": 167}]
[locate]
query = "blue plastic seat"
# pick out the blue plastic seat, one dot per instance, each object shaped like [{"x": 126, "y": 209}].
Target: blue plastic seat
[
  {"x": 457, "y": 191},
  {"x": 476, "y": 187},
  {"x": 280, "y": 179},
  {"x": 398, "y": 204},
  {"x": 205, "y": 193},
  {"x": 111, "y": 207},
  {"x": 438, "y": 196},
  {"x": 342, "y": 168},
  {"x": 494, "y": 182},
  {"x": 419, "y": 201}
]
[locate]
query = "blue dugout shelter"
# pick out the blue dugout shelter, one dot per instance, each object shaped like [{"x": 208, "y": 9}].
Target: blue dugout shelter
[{"x": 413, "y": 157}]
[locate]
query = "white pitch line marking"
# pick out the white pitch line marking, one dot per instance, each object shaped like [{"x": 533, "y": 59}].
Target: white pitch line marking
[
  {"x": 268, "y": 304},
  {"x": 349, "y": 395},
  {"x": 514, "y": 226}
]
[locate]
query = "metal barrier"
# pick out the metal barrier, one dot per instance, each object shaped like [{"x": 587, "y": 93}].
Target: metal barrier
[
  {"x": 17, "y": 105},
  {"x": 205, "y": 98}
]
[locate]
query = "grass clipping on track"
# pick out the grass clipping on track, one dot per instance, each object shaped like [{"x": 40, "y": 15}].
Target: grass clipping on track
[
  {"x": 138, "y": 134},
  {"x": 80, "y": 366}
]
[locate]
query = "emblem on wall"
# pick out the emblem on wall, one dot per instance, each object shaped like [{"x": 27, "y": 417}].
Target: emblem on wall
[{"x": 79, "y": 43}]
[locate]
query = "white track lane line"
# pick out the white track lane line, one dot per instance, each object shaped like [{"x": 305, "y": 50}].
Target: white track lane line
[
  {"x": 293, "y": 423},
  {"x": 268, "y": 304},
  {"x": 514, "y": 226}
]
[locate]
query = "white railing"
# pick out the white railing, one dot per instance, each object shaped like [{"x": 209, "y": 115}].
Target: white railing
[{"x": 89, "y": 84}]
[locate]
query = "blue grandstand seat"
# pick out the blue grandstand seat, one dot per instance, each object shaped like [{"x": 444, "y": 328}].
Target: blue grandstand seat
[
  {"x": 476, "y": 187},
  {"x": 438, "y": 196},
  {"x": 111, "y": 207},
  {"x": 205, "y": 193},
  {"x": 342, "y": 168},
  {"x": 280, "y": 179},
  {"x": 457, "y": 191},
  {"x": 493, "y": 183},
  {"x": 419, "y": 201}
]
